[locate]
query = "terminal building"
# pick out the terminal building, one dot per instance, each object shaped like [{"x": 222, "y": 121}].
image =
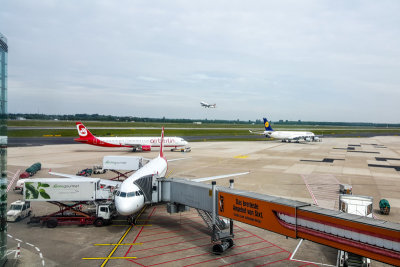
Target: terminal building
[{"x": 3, "y": 149}]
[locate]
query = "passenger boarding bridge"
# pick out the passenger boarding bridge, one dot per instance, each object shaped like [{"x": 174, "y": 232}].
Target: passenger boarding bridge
[{"x": 371, "y": 238}]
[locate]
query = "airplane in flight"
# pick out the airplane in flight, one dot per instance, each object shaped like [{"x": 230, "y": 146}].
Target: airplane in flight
[
  {"x": 136, "y": 143},
  {"x": 206, "y": 105},
  {"x": 287, "y": 136},
  {"x": 129, "y": 198}
]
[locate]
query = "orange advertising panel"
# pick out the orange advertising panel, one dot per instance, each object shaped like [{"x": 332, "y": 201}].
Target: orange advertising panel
[{"x": 254, "y": 212}]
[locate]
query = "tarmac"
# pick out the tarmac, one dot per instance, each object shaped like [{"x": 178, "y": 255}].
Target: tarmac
[{"x": 308, "y": 172}]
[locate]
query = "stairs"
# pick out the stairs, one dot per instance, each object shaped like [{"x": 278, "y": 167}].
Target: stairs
[{"x": 207, "y": 218}]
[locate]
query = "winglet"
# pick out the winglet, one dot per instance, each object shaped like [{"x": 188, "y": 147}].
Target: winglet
[{"x": 162, "y": 143}]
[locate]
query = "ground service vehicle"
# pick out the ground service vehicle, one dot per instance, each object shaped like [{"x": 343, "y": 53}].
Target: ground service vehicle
[
  {"x": 85, "y": 172},
  {"x": 358, "y": 205},
  {"x": 384, "y": 206},
  {"x": 19, "y": 210},
  {"x": 32, "y": 170},
  {"x": 69, "y": 214},
  {"x": 24, "y": 175},
  {"x": 98, "y": 169}
]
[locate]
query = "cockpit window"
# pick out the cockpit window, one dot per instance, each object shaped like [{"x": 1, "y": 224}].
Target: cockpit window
[
  {"x": 123, "y": 194},
  {"x": 131, "y": 194},
  {"x": 140, "y": 192},
  {"x": 117, "y": 193}
]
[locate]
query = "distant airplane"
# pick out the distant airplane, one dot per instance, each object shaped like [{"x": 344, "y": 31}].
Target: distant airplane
[
  {"x": 206, "y": 105},
  {"x": 136, "y": 143},
  {"x": 287, "y": 136}
]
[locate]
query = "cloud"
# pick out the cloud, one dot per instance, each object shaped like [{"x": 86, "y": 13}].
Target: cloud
[{"x": 309, "y": 60}]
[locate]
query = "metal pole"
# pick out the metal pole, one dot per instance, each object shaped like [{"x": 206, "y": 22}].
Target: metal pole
[
  {"x": 231, "y": 181},
  {"x": 214, "y": 210}
]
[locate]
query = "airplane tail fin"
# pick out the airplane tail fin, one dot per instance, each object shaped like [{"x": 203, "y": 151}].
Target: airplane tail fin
[
  {"x": 267, "y": 125},
  {"x": 162, "y": 143},
  {"x": 83, "y": 132}
]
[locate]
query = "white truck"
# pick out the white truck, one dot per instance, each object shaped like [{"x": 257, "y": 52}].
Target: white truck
[
  {"x": 19, "y": 210},
  {"x": 358, "y": 205}
]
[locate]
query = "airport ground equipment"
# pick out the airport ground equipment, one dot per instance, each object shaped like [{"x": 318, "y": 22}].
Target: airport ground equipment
[
  {"x": 183, "y": 149},
  {"x": 32, "y": 170},
  {"x": 384, "y": 206},
  {"x": 98, "y": 169},
  {"x": 61, "y": 189},
  {"x": 346, "y": 189},
  {"x": 117, "y": 164},
  {"x": 68, "y": 214},
  {"x": 19, "y": 210},
  {"x": 360, "y": 235},
  {"x": 24, "y": 175},
  {"x": 85, "y": 172},
  {"x": 357, "y": 205}
]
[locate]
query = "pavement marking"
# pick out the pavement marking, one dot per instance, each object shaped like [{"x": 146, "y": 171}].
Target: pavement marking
[
  {"x": 241, "y": 157},
  {"x": 19, "y": 240},
  {"x": 119, "y": 225},
  {"x": 12, "y": 180},
  {"x": 37, "y": 249},
  {"x": 169, "y": 173},
  {"x": 10, "y": 236},
  {"x": 108, "y": 258},
  {"x": 29, "y": 244},
  {"x": 126, "y": 244}
]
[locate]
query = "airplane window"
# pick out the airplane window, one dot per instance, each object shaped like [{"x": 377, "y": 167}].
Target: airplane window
[
  {"x": 123, "y": 194},
  {"x": 131, "y": 194}
]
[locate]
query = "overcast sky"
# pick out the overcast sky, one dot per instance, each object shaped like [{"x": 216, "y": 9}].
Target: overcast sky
[{"x": 309, "y": 60}]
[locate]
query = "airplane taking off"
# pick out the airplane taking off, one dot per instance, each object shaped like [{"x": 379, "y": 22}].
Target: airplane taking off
[
  {"x": 129, "y": 198},
  {"x": 206, "y": 105},
  {"x": 137, "y": 143},
  {"x": 287, "y": 136}
]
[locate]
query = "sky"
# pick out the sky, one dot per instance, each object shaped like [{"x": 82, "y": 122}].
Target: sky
[{"x": 292, "y": 60}]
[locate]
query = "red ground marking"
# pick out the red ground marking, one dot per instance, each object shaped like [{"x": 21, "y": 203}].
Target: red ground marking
[
  {"x": 262, "y": 256},
  {"x": 224, "y": 257}
]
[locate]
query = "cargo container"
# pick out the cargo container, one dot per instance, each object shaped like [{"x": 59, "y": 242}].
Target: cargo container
[{"x": 125, "y": 163}]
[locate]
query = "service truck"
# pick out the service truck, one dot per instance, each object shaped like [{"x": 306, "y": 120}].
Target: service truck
[
  {"x": 358, "y": 205},
  {"x": 19, "y": 210},
  {"x": 70, "y": 195}
]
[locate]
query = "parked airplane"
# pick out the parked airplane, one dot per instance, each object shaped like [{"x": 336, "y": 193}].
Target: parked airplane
[
  {"x": 287, "y": 136},
  {"x": 206, "y": 105},
  {"x": 129, "y": 198},
  {"x": 137, "y": 143}
]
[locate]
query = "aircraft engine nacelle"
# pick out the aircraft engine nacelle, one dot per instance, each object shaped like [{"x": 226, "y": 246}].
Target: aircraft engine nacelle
[
  {"x": 316, "y": 139},
  {"x": 308, "y": 139},
  {"x": 146, "y": 148}
]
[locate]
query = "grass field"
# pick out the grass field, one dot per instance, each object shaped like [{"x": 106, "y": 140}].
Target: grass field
[{"x": 185, "y": 129}]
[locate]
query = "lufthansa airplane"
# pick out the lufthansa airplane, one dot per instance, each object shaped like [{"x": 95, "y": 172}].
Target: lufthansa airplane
[
  {"x": 129, "y": 198},
  {"x": 136, "y": 143},
  {"x": 287, "y": 136}
]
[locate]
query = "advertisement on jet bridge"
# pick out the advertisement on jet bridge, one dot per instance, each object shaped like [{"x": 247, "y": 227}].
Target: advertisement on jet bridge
[
  {"x": 123, "y": 163},
  {"x": 60, "y": 189},
  {"x": 255, "y": 212}
]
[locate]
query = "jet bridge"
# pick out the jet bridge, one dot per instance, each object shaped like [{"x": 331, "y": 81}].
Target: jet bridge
[{"x": 372, "y": 238}]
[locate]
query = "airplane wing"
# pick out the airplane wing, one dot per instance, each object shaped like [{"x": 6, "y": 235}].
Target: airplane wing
[
  {"x": 102, "y": 181},
  {"x": 260, "y": 133},
  {"x": 169, "y": 160},
  {"x": 219, "y": 177}
]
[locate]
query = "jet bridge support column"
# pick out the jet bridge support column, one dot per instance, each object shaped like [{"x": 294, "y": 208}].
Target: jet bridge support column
[
  {"x": 231, "y": 181},
  {"x": 214, "y": 210}
]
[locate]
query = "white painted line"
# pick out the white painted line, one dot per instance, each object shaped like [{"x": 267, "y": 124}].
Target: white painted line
[
  {"x": 43, "y": 262},
  {"x": 294, "y": 252},
  {"x": 37, "y": 249},
  {"x": 12, "y": 181},
  {"x": 309, "y": 190},
  {"x": 10, "y": 236},
  {"x": 19, "y": 240},
  {"x": 29, "y": 244},
  {"x": 41, "y": 256}
]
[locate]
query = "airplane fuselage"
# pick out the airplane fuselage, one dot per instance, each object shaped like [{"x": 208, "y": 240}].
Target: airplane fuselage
[
  {"x": 289, "y": 135},
  {"x": 129, "y": 141}
]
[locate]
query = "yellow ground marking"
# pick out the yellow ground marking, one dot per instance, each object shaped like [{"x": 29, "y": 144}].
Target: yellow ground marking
[
  {"x": 108, "y": 258},
  {"x": 169, "y": 173},
  {"x": 116, "y": 246},
  {"x": 127, "y": 244},
  {"x": 241, "y": 157}
]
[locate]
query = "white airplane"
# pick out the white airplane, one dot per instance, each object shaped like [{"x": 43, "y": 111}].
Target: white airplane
[
  {"x": 141, "y": 143},
  {"x": 129, "y": 198},
  {"x": 287, "y": 136},
  {"x": 206, "y": 105}
]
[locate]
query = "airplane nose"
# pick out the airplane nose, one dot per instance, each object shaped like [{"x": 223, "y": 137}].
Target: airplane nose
[{"x": 124, "y": 207}]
